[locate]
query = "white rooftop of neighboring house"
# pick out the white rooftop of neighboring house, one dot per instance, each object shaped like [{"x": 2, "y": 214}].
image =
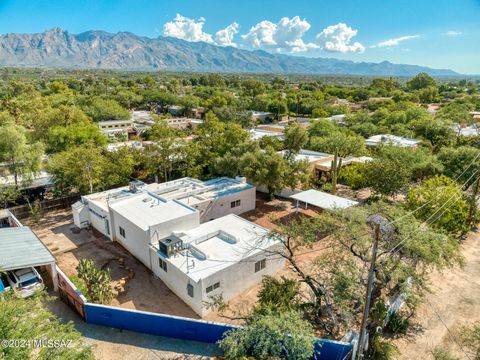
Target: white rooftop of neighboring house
[
  {"x": 39, "y": 180},
  {"x": 218, "y": 244},
  {"x": 139, "y": 145},
  {"x": 376, "y": 140},
  {"x": 192, "y": 191},
  {"x": 145, "y": 209},
  {"x": 103, "y": 123},
  {"x": 472, "y": 130},
  {"x": 260, "y": 113},
  {"x": 340, "y": 118},
  {"x": 309, "y": 155},
  {"x": 141, "y": 115},
  {"x": 257, "y": 134}
]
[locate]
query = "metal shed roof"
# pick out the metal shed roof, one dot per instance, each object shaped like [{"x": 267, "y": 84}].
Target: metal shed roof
[
  {"x": 20, "y": 248},
  {"x": 324, "y": 200}
]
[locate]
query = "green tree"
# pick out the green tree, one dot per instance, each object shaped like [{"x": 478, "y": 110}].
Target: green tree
[
  {"x": 278, "y": 335},
  {"x": 460, "y": 163},
  {"x": 79, "y": 169},
  {"x": 296, "y": 138},
  {"x": 23, "y": 160},
  {"x": 165, "y": 151},
  {"x": 62, "y": 137},
  {"x": 440, "y": 201},
  {"x": 29, "y": 319},
  {"x": 102, "y": 109},
  {"x": 421, "y": 81},
  {"x": 341, "y": 145},
  {"x": 387, "y": 177}
]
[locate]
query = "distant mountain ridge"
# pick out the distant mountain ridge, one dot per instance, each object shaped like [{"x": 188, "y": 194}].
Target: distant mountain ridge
[{"x": 57, "y": 48}]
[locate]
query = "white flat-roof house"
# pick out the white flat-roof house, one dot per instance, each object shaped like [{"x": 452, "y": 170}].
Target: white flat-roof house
[
  {"x": 187, "y": 232},
  {"x": 377, "y": 140},
  {"x": 133, "y": 215},
  {"x": 115, "y": 127},
  {"x": 221, "y": 257}
]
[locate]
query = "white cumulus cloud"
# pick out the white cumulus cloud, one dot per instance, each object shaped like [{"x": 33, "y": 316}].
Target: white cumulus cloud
[
  {"x": 286, "y": 35},
  {"x": 187, "y": 29},
  {"x": 395, "y": 41},
  {"x": 225, "y": 36},
  {"x": 338, "y": 38},
  {"x": 453, "y": 33}
]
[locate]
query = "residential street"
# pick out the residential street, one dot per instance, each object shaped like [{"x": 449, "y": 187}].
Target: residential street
[{"x": 456, "y": 298}]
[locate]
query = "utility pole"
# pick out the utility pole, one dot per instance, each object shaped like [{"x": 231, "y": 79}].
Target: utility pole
[
  {"x": 368, "y": 295},
  {"x": 473, "y": 203}
]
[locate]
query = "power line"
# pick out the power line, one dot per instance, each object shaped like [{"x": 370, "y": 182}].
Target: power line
[
  {"x": 436, "y": 212},
  {"x": 450, "y": 334}
]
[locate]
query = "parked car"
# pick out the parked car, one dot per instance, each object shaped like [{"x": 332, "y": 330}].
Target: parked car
[{"x": 25, "y": 281}]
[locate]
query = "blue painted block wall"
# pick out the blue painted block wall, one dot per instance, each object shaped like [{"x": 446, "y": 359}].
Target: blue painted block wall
[{"x": 186, "y": 329}]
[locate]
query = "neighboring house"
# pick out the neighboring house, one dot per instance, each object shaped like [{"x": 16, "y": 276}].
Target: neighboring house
[
  {"x": 321, "y": 163},
  {"x": 475, "y": 115},
  {"x": 20, "y": 248},
  {"x": 258, "y": 133},
  {"x": 338, "y": 119},
  {"x": 175, "y": 110},
  {"x": 116, "y": 127},
  {"x": 183, "y": 122},
  {"x": 222, "y": 257},
  {"x": 261, "y": 116},
  {"x": 472, "y": 130},
  {"x": 377, "y": 140}
]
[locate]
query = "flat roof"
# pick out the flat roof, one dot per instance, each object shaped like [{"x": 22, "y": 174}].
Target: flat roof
[
  {"x": 192, "y": 191},
  {"x": 323, "y": 200},
  {"x": 20, "y": 248},
  {"x": 257, "y": 134},
  {"x": 392, "y": 139},
  {"x": 145, "y": 209},
  {"x": 218, "y": 244},
  {"x": 309, "y": 155}
]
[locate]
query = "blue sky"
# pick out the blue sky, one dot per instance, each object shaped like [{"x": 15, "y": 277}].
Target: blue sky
[{"x": 436, "y": 33}]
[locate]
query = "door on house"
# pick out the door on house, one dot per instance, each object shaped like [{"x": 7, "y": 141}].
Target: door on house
[{"x": 107, "y": 227}]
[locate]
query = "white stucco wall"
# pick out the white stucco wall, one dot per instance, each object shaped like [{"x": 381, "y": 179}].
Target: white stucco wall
[
  {"x": 240, "y": 276},
  {"x": 222, "y": 207},
  {"x": 97, "y": 222},
  {"x": 234, "y": 279},
  {"x": 177, "y": 281},
  {"x": 137, "y": 241}
]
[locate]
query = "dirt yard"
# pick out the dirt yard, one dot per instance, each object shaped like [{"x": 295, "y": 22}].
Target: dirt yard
[
  {"x": 136, "y": 286},
  {"x": 455, "y": 300}
]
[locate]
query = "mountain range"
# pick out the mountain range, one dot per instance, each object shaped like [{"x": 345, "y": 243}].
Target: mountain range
[{"x": 57, "y": 48}]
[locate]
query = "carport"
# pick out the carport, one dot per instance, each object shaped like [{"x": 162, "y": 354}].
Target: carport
[
  {"x": 322, "y": 200},
  {"x": 21, "y": 248}
]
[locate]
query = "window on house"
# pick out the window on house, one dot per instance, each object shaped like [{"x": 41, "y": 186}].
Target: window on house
[
  {"x": 190, "y": 290},
  {"x": 122, "y": 231},
  {"x": 260, "y": 265},
  {"x": 213, "y": 287},
  {"x": 163, "y": 264},
  {"x": 235, "y": 203}
]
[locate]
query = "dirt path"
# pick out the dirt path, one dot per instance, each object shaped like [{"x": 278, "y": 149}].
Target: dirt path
[{"x": 455, "y": 298}]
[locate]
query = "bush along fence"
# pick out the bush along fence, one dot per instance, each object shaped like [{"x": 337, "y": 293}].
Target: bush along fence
[{"x": 171, "y": 326}]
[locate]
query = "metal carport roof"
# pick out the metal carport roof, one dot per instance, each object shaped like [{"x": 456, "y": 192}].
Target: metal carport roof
[
  {"x": 20, "y": 248},
  {"x": 323, "y": 200}
]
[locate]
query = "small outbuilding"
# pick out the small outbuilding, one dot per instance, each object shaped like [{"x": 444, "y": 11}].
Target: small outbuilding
[
  {"x": 323, "y": 200},
  {"x": 21, "y": 248}
]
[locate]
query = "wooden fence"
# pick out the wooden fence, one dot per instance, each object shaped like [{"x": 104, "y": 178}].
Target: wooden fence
[{"x": 23, "y": 211}]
